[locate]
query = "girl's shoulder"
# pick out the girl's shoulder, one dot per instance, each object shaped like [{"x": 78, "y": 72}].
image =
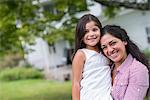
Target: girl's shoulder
[
  {"x": 84, "y": 54},
  {"x": 85, "y": 50},
  {"x": 79, "y": 55}
]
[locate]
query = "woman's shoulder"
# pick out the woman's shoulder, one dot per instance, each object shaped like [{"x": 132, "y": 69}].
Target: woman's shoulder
[
  {"x": 138, "y": 67},
  {"x": 138, "y": 64},
  {"x": 139, "y": 73}
]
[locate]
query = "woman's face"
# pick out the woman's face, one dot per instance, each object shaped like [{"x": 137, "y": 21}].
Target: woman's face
[
  {"x": 92, "y": 35},
  {"x": 113, "y": 48}
]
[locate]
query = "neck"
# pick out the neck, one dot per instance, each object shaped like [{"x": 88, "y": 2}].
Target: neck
[{"x": 117, "y": 64}]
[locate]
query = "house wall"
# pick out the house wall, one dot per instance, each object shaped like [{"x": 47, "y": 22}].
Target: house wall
[
  {"x": 44, "y": 55},
  {"x": 60, "y": 54},
  {"x": 37, "y": 56},
  {"x": 134, "y": 22}
]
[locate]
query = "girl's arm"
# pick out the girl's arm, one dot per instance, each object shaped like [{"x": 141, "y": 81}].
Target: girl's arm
[{"x": 77, "y": 68}]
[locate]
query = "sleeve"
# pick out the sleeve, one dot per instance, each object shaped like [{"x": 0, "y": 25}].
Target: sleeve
[{"x": 138, "y": 83}]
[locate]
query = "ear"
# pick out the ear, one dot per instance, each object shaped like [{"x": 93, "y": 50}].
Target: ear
[
  {"x": 82, "y": 40},
  {"x": 125, "y": 42}
]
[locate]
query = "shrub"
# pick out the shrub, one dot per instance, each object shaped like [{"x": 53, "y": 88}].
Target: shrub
[
  {"x": 20, "y": 73},
  {"x": 147, "y": 53},
  {"x": 10, "y": 60}
]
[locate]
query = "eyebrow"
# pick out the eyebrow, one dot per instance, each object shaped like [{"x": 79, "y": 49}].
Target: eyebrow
[
  {"x": 109, "y": 42},
  {"x": 93, "y": 27}
]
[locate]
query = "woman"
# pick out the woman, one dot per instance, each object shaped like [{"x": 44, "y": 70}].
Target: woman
[{"x": 130, "y": 72}]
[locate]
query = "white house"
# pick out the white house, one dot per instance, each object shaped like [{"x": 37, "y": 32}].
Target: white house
[
  {"x": 45, "y": 55},
  {"x": 52, "y": 59}
]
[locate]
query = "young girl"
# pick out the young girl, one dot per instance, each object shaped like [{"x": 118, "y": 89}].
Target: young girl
[{"x": 91, "y": 73}]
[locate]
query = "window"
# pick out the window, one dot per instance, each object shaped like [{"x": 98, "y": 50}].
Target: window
[
  {"x": 52, "y": 48},
  {"x": 148, "y": 34},
  {"x": 68, "y": 54}
]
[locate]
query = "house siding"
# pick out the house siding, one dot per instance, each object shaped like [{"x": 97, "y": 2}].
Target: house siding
[{"x": 135, "y": 23}]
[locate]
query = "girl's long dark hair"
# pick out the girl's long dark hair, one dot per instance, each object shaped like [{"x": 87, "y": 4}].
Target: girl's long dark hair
[
  {"x": 131, "y": 47},
  {"x": 81, "y": 28}
]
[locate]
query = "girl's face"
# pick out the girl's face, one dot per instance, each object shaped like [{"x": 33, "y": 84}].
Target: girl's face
[
  {"x": 92, "y": 35},
  {"x": 114, "y": 48}
]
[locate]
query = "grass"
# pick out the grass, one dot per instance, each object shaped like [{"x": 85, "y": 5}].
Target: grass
[{"x": 35, "y": 90}]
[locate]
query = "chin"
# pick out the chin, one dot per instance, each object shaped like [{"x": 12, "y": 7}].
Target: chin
[{"x": 115, "y": 60}]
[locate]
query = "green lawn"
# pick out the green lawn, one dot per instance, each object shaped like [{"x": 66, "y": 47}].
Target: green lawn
[{"x": 35, "y": 90}]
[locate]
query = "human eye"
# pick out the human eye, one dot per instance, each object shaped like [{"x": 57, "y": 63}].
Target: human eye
[
  {"x": 103, "y": 47},
  {"x": 95, "y": 29},
  {"x": 86, "y": 31},
  {"x": 113, "y": 43}
]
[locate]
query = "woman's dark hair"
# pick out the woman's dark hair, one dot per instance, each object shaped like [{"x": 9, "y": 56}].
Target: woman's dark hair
[
  {"x": 81, "y": 30},
  {"x": 131, "y": 47}
]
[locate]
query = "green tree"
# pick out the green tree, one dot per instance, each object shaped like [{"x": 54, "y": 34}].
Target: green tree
[
  {"x": 15, "y": 12},
  {"x": 21, "y": 21}
]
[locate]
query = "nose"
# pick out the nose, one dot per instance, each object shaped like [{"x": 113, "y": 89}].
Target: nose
[
  {"x": 91, "y": 33},
  {"x": 109, "y": 50}
]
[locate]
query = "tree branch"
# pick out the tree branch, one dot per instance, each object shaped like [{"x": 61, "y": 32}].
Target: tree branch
[{"x": 127, "y": 4}]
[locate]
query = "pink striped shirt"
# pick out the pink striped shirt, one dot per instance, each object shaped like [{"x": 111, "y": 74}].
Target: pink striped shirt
[{"x": 131, "y": 81}]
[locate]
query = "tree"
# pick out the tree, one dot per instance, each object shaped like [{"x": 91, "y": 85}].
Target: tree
[
  {"x": 24, "y": 20},
  {"x": 15, "y": 12}
]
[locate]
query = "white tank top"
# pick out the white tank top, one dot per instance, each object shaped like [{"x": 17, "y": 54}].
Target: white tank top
[{"x": 96, "y": 77}]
